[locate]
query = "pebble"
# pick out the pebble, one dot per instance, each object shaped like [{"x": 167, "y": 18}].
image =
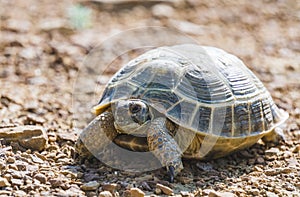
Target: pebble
[
  {"x": 36, "y": 159},
  {"x": 296, "y": 149},
  {"x": 185, "y": 194},
  {"x": 17, "y": 182},
  {"x": 207, "y": 191},
  {"x": 271, "y": 194},
  {"x": 110, "y": 187},
  {"x": 275, "y": 171},
  {"x": 258, "y": 169},
  {"x": 22, "y": 166},
  {"x": 220, "y": 194},
  {"x": 165, "y": 189},
  {"x": 272, "y": 151},
  {"x": 15, "y": 173},
  {"x": 254, "y": 192},
  {"x": 92, "y": 185},
  {"x": 2, "y": 165},
  {"x": 162, "y": 10},
  {"x": 157, "y": 191},
  {"x": 105, "y": 194},
  {"x": 40, "y": 177},
  {"x": 55, "y": 182},
  {"x": 11, "y": 160},
  {"x": 260, "y": 160},
  {"x": 20, "y": 193},
  {"x": 136, "y": 192},
  {"x": 4, "y": 182}
]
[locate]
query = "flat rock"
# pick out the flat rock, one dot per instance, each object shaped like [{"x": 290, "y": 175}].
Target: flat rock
[
  {"x": 165, "y": 189},
  {"x": 136, "y": 192},
  {"x": 92, "y": 185},
  {"x": 29, "y": 136},
  {"x": 105, "y": 194}
]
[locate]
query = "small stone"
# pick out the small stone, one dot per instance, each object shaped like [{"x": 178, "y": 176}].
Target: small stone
[
  {"x": 162, "y": 10},
  {"x": 260, "y": 160},
  {"x": 207, "y": 191},
  {"x": 36, "y": 159},
  {"x": 55, "y": 182},
  {"x": 220, "y": 194},
  {"x": 272, "y": 151},
  {"x": 289, "y": 187},
  {"x": 4, "y": 182},
  {"x": 15, "y": 173},
  {"x": 255, "y": 192},
  {"x": 185, "y": 194},
  {"x": 258, "y": 169},
  {"x": 293, "y": 163},
  {"x": 297, "y": 149},
  {"x": 34, "y": 119},
  {"x": 271, "y": 172},
  {"x": 17, "y": 182},
  {"x": 136, "y": 192},
  {"x": 12, "y": 166},
  {"x": 166, "y": 190},
  {"x": 22, "y": 166},
  {"x": 8, "y": 177},
  {"x": 11, "y": 160},
  {"x": 110, "y": 187},
  {"x": 2, "y": 165},
  {"x": 271, "y": 194},
  {"x": 40, "y": 177},
  {"x": 52, "y": 137},
  {"x": 92, "y": 185},
  {"x": 157, "y": 191},
  {"x": 105, "y": 194}
]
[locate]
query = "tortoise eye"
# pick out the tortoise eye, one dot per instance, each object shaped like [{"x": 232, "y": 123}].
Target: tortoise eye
[{"x": 134, "y": 108}]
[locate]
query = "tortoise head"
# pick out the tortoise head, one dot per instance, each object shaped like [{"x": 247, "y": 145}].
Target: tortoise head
[{"x": 131, "y": 116}]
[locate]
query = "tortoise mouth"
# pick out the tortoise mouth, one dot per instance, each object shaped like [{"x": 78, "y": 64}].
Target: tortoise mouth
[{"x": 132, "y": 142}]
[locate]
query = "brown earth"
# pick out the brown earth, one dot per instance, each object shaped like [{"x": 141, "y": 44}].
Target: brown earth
[{"x": 43, "y": 46}]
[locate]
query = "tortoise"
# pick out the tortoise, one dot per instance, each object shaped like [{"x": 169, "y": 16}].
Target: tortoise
[{"x": 187, "y": 101}]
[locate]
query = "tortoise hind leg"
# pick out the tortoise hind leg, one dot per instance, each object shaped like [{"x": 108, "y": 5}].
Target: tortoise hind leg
[
  {"x": 164, "y": 147},
  {"x": 275, "y": 136}
]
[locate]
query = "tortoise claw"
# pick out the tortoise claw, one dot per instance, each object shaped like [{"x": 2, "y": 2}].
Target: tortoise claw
[{"x": 171, "y": 173}]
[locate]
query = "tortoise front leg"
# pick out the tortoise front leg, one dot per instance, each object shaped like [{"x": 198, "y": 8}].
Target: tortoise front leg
[
  {"x": 164, "y": 147},
  {"x": 97, "y": 135}
]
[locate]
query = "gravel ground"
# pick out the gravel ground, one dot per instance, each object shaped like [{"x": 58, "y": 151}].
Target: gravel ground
[{"x": 42, "y": 48}]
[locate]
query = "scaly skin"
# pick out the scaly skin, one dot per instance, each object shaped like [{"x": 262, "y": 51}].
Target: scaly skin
[
  {"x": 97, "y": 135},
  {"x": 164, "y": 147}
]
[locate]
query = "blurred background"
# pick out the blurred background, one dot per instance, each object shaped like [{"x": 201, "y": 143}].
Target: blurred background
[{"x": 44, "y": 44}]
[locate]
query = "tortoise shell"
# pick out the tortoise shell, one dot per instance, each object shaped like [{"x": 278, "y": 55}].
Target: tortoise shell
[{"x": 203, "y": 89}]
